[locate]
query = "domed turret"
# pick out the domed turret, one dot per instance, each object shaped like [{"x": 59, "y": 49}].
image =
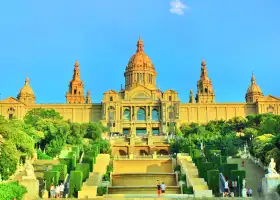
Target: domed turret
[
  {"x": 254, "y": 92},
  {"x": 140, "y": 69},
  {"x": 26, "y": 94}
]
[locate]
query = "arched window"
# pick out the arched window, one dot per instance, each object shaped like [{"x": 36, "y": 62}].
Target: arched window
[
  {"x": 126, "y": 114},
  {"x": 141, "y": 114},
  {"x": 155, "y": 115},
  {"x": 111, "y": 113}
]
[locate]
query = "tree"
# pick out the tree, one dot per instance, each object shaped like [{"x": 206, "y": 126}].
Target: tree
[{"x": 34, "y": 115}]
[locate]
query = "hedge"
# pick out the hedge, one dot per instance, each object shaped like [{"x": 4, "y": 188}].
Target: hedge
[
  {"x": 213, "y": 180},
  {"x": 199, "y": 160},
  {"x": 51, "y": 177},
  {"x": 90, "y": 161},
  {"x": 62, "y": 168},
  {"x": 76, "y": 150},
  {"x": 213, "y": 152},
  {"x": 227, "y": 168},
  {"x": 12, "y": 190},
  {"x": 70, "y": 161},
  {"x": 83, "y": 167},
  {"x": 234, "y": 176},
  {"x": 196, "y": 153},
  {"x": 76, "y": 182},
  {"x": 204, "y": 167}
]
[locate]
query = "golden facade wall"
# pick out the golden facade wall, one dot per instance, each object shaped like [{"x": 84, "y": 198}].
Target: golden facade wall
[{"x": 203, "y": 113}]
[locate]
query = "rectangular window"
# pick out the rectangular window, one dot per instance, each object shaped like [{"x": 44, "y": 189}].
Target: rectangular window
[
  {"x": 111, "y": 98},
  {"x": 170, "y": 98}
]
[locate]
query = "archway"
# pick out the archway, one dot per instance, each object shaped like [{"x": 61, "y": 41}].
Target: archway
[
  {"x": 155, "y": 115},
  {"x": 141, "y": 114},
  {"x": 142, "y": 152},
  {"x": 163, "y": 152},
  {"x": 122, "y": 152}
]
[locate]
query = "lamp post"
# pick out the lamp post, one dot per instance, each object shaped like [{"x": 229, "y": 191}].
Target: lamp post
[{"x": 238, "y": 182}]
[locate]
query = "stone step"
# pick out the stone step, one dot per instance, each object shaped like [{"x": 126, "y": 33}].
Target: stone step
[
  {"x": 142, "y": 190},
  {"x": 140, "y": 179}
]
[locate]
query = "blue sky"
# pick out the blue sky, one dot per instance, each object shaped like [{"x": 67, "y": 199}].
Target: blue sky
[{"x": 44, "y": 38}]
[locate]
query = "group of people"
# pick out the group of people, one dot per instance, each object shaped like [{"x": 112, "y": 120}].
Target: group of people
[
  {"x": 57, "y": 191},
  {"x": 160, "y": 188},
  {"x": 233, "y": 184}
]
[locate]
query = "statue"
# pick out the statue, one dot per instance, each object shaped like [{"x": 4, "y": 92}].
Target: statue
[
  {"x": 271, "y": 167},
  {"x": 29, "y": 171}
]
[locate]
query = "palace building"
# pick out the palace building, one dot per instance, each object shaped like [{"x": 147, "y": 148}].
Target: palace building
[{"x": 141, "y": 107}]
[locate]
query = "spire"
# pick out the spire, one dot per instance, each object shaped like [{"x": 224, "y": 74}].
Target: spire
[
  {"x": 76, "y": 75},
  {"x": 191, "y": 99},
  {"x": 253, "y": 79},
  {"x": 26, "y": 80},
  {"x": 204, "y": 73},
  {"x": 140, "y": 45},
  {"x": 88, "y": 98}
]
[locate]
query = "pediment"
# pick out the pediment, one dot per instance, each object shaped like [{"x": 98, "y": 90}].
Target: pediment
[
  {"x": 140, "y": 93},
  {"x": 170, "y": 91},
  {"x": 111, "y": 92},
  {"x": 270, "y": 98},
  {"x": 11, "y": 100}
]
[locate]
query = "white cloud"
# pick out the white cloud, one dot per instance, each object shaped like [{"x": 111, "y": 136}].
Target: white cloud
[{"x": 177, "y": 7}]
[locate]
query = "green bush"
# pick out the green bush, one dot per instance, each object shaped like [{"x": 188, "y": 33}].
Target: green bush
[
  {"x": 213, "y": 180},
  {"x": 89, "y": 160},
  {"x": 213, "y": 152},
  {"x": 182, "y": 177},
  {"x": 12, "y": 190},
  {"x": 187, "y": 190},
  {"x": 203, "y": 168},
  {"x": 42, "y": 156},
  {"x": 278, "y": 189},
  {"x": 234, "y": 176},
  {"x": 76, "y": 150},
  {"x": 227, "y": 168},
  {"x": 196, "y": 153},
  {"x": 109, "y": 169},
  {"x": 62, "y": 169},
  {"x": 106, "y": 177},
  {"x": 101, "y": 191},
  {"x": 199, "y": 160},
  {"x": 177, "y": 168},
  {"x": 224, "y": 159},
  {"x": 51, "y": 177},
  {"x": 76, "y": 182},
  {"x": 70, "y": 161},
  {"x": 83, "y": 167}
]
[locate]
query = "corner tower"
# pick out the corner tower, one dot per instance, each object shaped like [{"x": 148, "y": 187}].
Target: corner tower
[
  {"x": 76, "y": 87},
  {"x": 26, "y": 94},
  {"x": 254, "y": 92},
  {"x": 140, "y": 70},
  {"x": 205, "y": 92}
]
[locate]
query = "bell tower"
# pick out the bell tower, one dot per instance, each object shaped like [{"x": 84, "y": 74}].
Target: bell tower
[
  {"x": 75, "y": 93},
  {"x": 205, "y": 92}
]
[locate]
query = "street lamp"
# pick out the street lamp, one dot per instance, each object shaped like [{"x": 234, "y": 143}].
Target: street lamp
[{"x": 238, "y": 182}]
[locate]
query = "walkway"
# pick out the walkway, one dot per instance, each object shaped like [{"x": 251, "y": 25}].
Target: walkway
[{"x": 254, "y": 174}]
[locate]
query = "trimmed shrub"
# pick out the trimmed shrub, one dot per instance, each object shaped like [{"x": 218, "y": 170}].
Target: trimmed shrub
[
  {"x": 70, "y": 161},
  {"x": 199, "y": 160},
  {"x": 62, "y": 169},
  {"x": 234, "y": 176},
  {"x": 109, "y": 169},
  {"x": 187, "y": 190},
  {"x": 90, "y": 161},
  {"x": 42, "y": 156},
  {"x": 106, "y": 177},
  {"x": 177, "y": 168},
  {"x": 182, "y": 177},
  {"x": 76, "y": 182},
  {"x": 12, "y": 190},
  {"x": 227, "y": 168},
  {"x": 83, "y": 167},
  {"x": 277, "y": 189},
  {"x": 224, "y": 159},
  {"x": 51, "y": 177},
  {"x": 76, "y": 150},
  {"x": 196, "y": 153},
  {"x": 101, "y": 191},
  {"x": 203, "y": 168},
  {"x": 213, "y": 180}
]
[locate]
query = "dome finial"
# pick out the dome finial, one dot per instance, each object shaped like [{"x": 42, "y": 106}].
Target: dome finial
[
  {"x": 77, "y": 63},
  {"x": 140, "y": 45},
  {"x": 26, "y": 79},
  {"x": 253, "y": 79}
]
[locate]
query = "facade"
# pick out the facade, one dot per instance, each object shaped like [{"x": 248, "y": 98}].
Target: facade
[{"x": 141, "y": 107}]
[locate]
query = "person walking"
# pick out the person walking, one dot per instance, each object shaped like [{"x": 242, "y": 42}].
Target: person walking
[
  {"x": 57, "y": 191},
  {"x": 162, "y": 186},
  {"x": 158, "y": 188},
  {"x": 260, "y": 190},
  {"x": 61, "y": 187},
  {"x": 226, "y": 188},
  {"x": 52, "y": 191}
]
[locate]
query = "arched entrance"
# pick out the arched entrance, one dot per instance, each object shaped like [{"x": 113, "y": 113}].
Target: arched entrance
[
  {"x": 163, "y": 152},
  {"x": 122, "y": 152}
]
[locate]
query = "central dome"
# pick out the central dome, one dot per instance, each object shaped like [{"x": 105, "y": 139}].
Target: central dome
[
  {"x": 140, "y": 69},
  {"x": 140, "y": 60}
]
